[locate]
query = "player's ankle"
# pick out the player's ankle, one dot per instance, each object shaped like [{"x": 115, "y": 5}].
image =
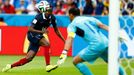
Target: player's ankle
[
  {"x": 47, "y": 64},
  {"x": 11, "y": 66}
]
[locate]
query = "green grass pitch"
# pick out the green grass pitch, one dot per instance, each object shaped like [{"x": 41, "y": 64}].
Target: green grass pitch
[{"x": 37, "y": 67}]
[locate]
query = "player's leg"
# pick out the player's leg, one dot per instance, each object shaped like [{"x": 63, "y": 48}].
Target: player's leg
[
  {"x": 85, "y": 55},
  {"x": 104, "y": 56},
  {"x": 30, "y": 55},
  {"x": 44, "y": 42},
  {"x": 121, "y": 71},
  {"x": 78, "y": 62},
  {"x": 33, "y": 48}
]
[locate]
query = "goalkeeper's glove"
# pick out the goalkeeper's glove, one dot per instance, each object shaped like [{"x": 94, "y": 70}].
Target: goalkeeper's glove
[
  {"x": 123, "y": 36},
  {"x": 62, "y": 57}
]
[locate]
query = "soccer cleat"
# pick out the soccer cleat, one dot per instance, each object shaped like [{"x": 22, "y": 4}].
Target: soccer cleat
[
  {"x": 5, "y": 69},
  {"x": 49, "y": 68}
]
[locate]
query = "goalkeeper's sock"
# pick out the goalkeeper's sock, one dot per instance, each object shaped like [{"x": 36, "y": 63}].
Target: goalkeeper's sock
[
  {"x": 83, "y": 69},
  {"x": 121, "y": 71},
  {"x": 47, "y": 54},
  {"x": 20, "y": 62}
]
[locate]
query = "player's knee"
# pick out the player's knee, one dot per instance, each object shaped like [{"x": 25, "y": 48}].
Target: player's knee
[
  {"x": 46, "y": 44},
  {"x": 29, "y": 58},
  {"x": 75, "y": 61}
]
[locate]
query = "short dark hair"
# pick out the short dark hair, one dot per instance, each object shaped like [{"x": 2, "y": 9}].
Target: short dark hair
[{"x": 74, "y": 11}]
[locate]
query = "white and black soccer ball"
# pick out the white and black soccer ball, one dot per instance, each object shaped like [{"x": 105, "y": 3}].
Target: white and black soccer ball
[{"x": 43, "y": 6}]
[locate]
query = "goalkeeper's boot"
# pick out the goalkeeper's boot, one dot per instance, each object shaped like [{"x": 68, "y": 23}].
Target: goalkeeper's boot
[
  {"x": 5, "y": 69},
  {"x": 49, "y": 68}
]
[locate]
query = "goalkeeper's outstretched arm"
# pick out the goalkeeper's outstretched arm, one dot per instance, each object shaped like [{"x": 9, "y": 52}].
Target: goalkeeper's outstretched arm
[
  {"x": 68, "y": 43},
  {"x": 67, "y": 46},
  {"x": 103, "y": 26},
  {"x": 69, "y": 40}
]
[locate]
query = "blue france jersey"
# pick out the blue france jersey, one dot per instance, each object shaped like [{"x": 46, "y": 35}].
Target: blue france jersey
[{"x": 87, "y": 28}]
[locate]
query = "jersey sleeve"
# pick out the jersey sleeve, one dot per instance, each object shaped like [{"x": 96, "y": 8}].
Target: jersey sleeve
[
  {"x": 35, "y": 20},
  {"x": 71, "y": 30}
]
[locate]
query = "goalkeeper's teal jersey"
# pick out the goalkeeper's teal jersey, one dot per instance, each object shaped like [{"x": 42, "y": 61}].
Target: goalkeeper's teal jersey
[{"x": 87, "y": 28}]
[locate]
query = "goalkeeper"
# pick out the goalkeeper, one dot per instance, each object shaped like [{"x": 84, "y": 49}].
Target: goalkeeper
[{"x": 89, "y": 29}]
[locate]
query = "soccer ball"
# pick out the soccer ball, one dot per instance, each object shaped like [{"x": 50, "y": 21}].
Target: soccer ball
[{"x": 42, "y": 6}]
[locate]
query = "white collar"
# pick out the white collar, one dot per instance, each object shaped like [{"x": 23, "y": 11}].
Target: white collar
[{"x": 43, "y": 14}]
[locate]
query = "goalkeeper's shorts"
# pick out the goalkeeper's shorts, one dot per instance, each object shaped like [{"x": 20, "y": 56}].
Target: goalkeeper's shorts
[{"x": 91, "y": 55}]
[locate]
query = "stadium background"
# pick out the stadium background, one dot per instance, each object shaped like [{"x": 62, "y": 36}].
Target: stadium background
[
  {"x": 18, "y": 14},
  {"x": 13, "y": 43}
]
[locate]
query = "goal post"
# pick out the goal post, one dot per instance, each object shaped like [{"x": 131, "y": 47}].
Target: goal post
[
  {"x": 113, "y": 64},
  {"x": 0, "y": 40}
]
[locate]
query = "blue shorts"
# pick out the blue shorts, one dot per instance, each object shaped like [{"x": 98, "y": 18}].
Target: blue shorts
[
  {"x": 91, "y": 55},
  {"x": 34, "y": 39}
]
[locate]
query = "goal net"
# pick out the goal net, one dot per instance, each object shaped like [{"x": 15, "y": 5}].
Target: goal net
[
  {"x": 120, "y": 53},
  {"x": 127, "y": 47}
]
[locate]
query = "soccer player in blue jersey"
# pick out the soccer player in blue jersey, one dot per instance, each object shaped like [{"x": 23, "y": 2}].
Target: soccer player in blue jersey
[
  {"x": 35, "y": 35},
  {"x": 89, "y": 29}
]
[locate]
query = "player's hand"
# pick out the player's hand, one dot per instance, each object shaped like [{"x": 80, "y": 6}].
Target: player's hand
[
  {"x": 62, "y": 57},
  {"x": 44, "y": 31},
  {"x": 123, "y": 35}
]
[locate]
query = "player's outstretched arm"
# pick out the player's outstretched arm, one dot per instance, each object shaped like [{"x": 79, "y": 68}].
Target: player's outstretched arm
[
  {"x": 103, "y": 26},
  {"x": 67, "y": 46},
  {"x": 58, "y": 33},
  {"x": 68, "y": 43}
]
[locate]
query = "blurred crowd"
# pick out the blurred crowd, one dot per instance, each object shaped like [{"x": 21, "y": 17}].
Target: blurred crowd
[
  {"x": 127, "y": 7},
  {"x": 60, "y": 7}
]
